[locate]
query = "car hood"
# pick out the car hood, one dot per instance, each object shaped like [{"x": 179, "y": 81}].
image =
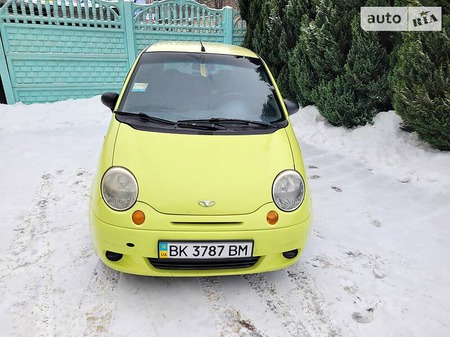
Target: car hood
[{"x": 175, "y": 172}]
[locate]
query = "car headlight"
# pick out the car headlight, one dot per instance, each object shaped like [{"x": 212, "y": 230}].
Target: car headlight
[
  {"x": 288, "y": 190},
  {"x": 119, "y": 188}
]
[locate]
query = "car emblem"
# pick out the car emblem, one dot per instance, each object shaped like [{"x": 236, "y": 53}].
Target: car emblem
[{"x": 207, "y": 203}]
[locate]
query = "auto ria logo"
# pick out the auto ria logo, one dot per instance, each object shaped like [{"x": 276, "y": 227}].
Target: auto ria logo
[
  {"x": 401, "y": 18},
  {"x": 207, "y": 203}
]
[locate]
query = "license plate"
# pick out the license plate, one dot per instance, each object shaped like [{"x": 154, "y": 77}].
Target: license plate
[{"x": 205, "y": 250}]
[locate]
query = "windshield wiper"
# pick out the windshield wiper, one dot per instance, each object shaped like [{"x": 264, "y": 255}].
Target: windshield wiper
[
  {"x": 146, "y": 117},
  {"x": 200, "y": 124},
  {"x": 231, "y": 121}
]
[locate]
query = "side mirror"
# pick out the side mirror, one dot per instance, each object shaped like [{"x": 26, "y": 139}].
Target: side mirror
[
  {"x": 110, "y": 99},
  {"x": 291, "y": 106}
]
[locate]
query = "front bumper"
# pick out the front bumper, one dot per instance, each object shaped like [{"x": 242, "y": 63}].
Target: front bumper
[{"x": 140, "y": 247}]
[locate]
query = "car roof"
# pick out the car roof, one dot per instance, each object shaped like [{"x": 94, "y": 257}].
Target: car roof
[{"x": 195, "y": 47}]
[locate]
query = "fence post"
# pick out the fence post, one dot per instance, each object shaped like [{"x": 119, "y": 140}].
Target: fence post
[
  {"x": 4, "y": 76},
  {"x": 127, "y": 17},
  {"x": 228, "y": 22}
]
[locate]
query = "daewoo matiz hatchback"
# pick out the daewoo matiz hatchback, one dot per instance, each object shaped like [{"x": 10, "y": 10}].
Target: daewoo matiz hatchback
[{"x": 200, "y": 172}]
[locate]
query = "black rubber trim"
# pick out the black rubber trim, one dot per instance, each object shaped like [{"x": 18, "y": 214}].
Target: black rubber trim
[{"x": 189, "y": 264}]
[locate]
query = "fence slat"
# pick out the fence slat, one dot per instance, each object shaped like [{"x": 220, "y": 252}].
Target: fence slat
[{"x": 58, "y": 49}]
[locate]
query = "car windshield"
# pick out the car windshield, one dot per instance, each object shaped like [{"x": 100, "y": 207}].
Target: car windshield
[{"x": 198, "y": 86}]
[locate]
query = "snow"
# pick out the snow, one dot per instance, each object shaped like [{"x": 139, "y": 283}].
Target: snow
[{"x": 376, "y": 263}]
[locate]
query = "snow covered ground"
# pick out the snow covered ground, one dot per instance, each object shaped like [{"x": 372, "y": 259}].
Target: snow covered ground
[{"x": 377, "y": 262}]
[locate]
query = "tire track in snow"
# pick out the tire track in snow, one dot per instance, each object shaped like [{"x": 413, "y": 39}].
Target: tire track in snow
[
  {"x": 100, "y": 301},
  {"x": 313, "y": 305},
  {"x": 277, "y": 304},
  {"x": 229, "y": 321},
  {"x": 97, "y": 299},
  {"x": 29, "y": 274},
  {"x": 51, "y": 282}
]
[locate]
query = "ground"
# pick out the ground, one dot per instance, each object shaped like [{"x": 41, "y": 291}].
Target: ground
[{"x": 376, "y": 263}]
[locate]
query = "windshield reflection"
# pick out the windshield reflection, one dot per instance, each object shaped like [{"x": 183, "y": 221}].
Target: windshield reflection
[{"x": 184, "y": 86}]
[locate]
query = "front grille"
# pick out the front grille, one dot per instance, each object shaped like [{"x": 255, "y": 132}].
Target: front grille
[
  {"x": 207, "y": 223},
  {"x": 188, "y": 264}
]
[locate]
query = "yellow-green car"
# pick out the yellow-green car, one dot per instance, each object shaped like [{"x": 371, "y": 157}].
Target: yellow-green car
[{"x": 200, "y": 172}]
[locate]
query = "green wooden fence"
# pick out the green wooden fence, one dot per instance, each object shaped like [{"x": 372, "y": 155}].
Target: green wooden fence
[{"x": 53, "y": 50}]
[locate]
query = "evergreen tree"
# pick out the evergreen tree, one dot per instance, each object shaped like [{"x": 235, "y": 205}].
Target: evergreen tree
[
  {"x": 264, "y": 27},
  {"x": 321, "y": 56},
  {"x": 363, "y": 89},
  {"x": 341, "y": 68},
  {"x": 295, "y": 14},
  {"x": 266, "y": 40},
  {"x": 322, "y": 47},
  {"x": 273, "y": 27},
  {"x": 249, "y": 10},
  {"x": 421, "y": 85}
]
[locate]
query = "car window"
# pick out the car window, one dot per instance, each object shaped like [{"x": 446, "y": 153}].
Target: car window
[{"x": 186, "y": 86}]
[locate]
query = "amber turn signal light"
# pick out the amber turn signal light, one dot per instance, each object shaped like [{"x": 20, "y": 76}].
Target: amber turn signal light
[
  {"x": 138, "y": 217},
  {"x": 272, "y": 218}
]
